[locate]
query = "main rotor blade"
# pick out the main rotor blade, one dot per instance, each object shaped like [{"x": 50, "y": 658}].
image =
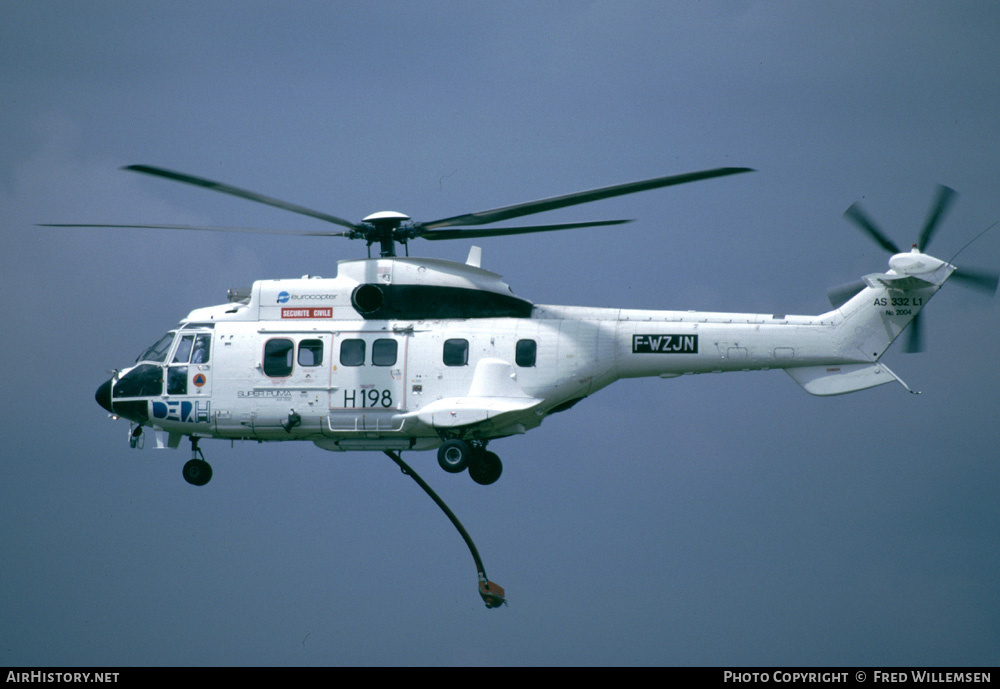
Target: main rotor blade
[
  {"x": 856, "y": 215},
  {"x": 242, "y": 193},
  {"x": 531, "y": 207},
  {"x": 945, "y": 197},
  {"x": 464, "y": 233},
  {"x": 200, "y": 228},
  {"x": 982, "y": 280}
]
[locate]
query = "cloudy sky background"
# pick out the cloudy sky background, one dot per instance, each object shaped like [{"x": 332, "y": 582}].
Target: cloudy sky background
[{"x": 718, "y": 519}]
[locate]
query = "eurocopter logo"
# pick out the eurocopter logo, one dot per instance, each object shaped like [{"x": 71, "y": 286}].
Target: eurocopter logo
[
  {"x": 283, "y": 296},
  {"x": 664, "y": 344}
]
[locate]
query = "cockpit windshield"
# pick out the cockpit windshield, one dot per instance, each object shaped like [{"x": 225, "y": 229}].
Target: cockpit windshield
[{"x": 158, "y": 351}]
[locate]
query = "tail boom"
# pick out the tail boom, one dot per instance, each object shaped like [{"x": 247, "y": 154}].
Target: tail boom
[{"x": 830, "y": 354}]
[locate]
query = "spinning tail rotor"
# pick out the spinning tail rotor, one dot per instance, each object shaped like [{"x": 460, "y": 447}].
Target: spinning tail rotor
[{"x": 981, "y": 280}]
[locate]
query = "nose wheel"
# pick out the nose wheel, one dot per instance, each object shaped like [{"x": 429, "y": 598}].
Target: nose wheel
[{"x": 197, "y": 471}]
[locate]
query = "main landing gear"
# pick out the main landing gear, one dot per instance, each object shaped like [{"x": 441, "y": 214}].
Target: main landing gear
[
  {"x": 197, "y": 471},
  {"x": 456, "y": 455}
]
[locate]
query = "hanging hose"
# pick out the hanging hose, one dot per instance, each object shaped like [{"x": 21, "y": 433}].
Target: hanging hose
[{"x": 491, "y": 593}]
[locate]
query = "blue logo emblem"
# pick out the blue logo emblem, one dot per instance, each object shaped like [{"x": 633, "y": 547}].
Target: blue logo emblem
[
  {"x": 282, "y": 297},
  {"x": 183, "y": 411}
]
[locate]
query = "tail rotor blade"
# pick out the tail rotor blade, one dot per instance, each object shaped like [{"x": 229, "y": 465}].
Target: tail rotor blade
[
  {"x": 945, "y": 197},
  {"x": 914, "y": 337},
  {"x": 982, "y": 280},
  {"x": 857, "y": 216},
  {"x": 842, "y": 294}
]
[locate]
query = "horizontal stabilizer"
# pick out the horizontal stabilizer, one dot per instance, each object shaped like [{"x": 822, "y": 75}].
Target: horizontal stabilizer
[
  {"x": 839, "y": 380},
  {"x": 899, "y": 282}
]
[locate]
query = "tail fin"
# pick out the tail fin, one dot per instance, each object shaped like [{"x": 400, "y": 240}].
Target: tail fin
[
  {"x": 876, "y": 316},
  {"x": 868, "y": 323}
]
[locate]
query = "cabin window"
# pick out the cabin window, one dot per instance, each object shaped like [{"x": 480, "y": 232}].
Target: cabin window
[
  {"x": 278, "y": 358},
  {"x": 310, "y": 352},
  {"x": 352, "y": 352},
  {"x": 384, "y": 352},
  {"x": 456, "y": 352},
  {"x": 524, "y": 353}
]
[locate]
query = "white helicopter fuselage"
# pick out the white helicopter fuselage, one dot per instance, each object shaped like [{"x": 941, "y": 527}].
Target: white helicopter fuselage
[{"x": 407, "y": 353}]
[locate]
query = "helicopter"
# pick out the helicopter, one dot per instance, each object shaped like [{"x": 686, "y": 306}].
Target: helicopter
[{"x": 402, "y": 353}]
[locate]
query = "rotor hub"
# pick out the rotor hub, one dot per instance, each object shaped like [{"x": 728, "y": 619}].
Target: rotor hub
[{"x": 383, "y": 230}]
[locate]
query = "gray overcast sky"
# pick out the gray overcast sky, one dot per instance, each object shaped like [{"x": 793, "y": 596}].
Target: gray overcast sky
[{"x": 706, "y": 520}]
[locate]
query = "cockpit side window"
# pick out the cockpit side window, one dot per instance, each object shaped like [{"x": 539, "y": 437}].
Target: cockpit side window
[
  {"x": 183, "y": 352},
  {"x": 202, "y": 348},
  {"x": 177, "y": 380}
]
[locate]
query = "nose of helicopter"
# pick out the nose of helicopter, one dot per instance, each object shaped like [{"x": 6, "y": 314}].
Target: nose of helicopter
[{"x": 103, "y": 395}]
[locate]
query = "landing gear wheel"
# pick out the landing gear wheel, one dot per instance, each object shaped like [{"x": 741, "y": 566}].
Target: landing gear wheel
[
  {"x": 453, "y": 456},
  {"x": 197, "y": 472},
  {"x": 485, "y": 467}
]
